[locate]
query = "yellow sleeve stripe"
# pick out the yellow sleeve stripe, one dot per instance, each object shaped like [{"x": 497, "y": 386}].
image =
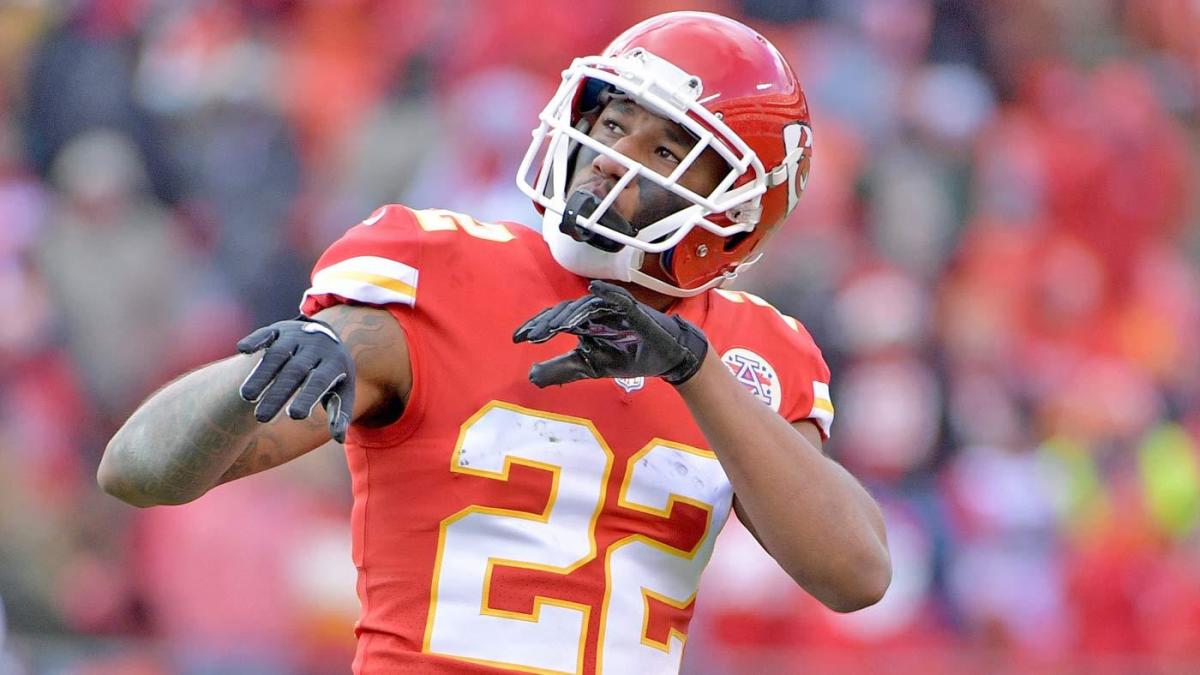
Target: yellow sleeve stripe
[
  {"x": 368, "y": 279},
  {"x": 360, "y": 291},
  {"x": 821, "y": 404},
  {"x": 822, "y": 409},
  {"x": 375, "y": 280},
  {"x": 372, "y": 264}
]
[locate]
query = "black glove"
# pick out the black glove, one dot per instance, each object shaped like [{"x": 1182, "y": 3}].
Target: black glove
[
  {"x": 306, "y": 358},
  {"x": 618, "y": 337}
]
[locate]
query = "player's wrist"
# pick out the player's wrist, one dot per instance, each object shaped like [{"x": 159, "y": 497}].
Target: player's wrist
[
  {"x": 710, "y": 367},
  {"x": 694, "y": 347}
]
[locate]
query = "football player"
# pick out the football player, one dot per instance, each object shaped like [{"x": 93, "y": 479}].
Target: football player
[{"x": 546, "y": 432}]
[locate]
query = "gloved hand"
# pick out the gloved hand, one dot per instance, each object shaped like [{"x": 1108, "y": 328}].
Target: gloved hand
[
  {"x": 304, "y": 357},
  {"x": 618, "y": 337}
]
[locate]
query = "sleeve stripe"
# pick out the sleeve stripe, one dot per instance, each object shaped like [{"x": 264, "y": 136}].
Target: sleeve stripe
[
  {"x": 824, "y": 419},
  {"x": 822, "y": 410},
  {"x": 360, "y": 292},
  {"x": 367, "y": 279},
  {"x": 374, "y": 265},
  {"x": 370, "y": 279}
]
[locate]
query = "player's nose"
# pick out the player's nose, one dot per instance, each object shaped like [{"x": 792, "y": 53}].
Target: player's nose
[{"x": 608, "y": 166}]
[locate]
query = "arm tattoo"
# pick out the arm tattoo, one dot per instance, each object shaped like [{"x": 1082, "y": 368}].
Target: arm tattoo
[
  {"x": 369, "y": 336},
  {"x": 266, "y": 450},
  {"x": 184, "y": 434},
  {"x": 196, "y": 432}
]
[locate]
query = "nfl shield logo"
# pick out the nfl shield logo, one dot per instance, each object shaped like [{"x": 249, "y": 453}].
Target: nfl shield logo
[{"x": 630, "y": 384}]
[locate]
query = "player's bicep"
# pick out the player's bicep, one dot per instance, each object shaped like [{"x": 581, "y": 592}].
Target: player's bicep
[
  {"x": 808, "y": 429},
  {"x": 383, "y": 370}
]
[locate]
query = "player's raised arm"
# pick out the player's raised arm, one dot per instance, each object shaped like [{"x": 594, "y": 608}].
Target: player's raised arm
[
  {"x": 809, "y": 513},
  {"x": 222, "y": 421},
  {"x": 806, "y": 510}
]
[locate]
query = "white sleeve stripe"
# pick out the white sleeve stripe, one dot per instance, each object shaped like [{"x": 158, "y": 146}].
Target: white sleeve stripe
[
  {"x": 822, "y": 410},
  {"x": 360, "y": 291},
  {"x": 370, "y": 265},
  {"x": 823, "y": 418},
  {"x": 372, "y": 279}
]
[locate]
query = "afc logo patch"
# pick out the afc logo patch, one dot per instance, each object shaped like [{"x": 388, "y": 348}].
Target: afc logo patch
[{"x": 756, "y": 374}]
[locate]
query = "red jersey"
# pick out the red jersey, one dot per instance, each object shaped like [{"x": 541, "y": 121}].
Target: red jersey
[{"x": 501, "y": 527}]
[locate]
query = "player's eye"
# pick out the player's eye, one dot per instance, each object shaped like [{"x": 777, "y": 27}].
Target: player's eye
[
  {"x": 667, "y": 154},
  {"x": 611, "y": 125}
]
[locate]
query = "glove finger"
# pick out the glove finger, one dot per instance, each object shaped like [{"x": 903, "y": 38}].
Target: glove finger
[
  {"x": 263, "y": 337},
  {"x": 285, "y": 384},
  {"x": 339, "y": 404},
  {"x": 561, "y": 369},
  {"x": 320, "y": 380},
  {"x": 623, "y": 303},
  {"x": 548, "y": 326},
  {"x": 612, "y": 294},
  {"x": 589, "y": 309},
  {"x": 263, "y": 373},
  {"x": 522, "y": 333}
]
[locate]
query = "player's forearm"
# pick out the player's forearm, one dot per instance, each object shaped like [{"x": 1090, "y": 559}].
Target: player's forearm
[
  {"x": 180, "y": 441},
  {"x": 816, "y": 520}
]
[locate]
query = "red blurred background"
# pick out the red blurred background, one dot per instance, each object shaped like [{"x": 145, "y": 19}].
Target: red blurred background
[{"x": 998, "y": 254}]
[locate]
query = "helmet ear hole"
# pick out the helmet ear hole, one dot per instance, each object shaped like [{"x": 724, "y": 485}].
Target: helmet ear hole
[{"x": 735, "y": 240}]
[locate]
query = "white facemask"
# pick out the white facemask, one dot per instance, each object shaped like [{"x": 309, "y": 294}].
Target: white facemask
[{"x": 664, "y": 90}]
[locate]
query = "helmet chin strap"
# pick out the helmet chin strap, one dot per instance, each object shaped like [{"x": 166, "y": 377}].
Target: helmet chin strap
[
  {"x": 660, "y": 286},
  {"x": 586, "y": 260}
]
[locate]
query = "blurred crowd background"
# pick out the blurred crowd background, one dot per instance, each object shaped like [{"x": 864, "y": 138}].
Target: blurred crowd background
[{"x": 997, "y": 252}]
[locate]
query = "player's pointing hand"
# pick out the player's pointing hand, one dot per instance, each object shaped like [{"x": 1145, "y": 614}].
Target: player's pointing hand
[
  {"x": 305, "y": 362},
  {"x": 618, "y": 337}
]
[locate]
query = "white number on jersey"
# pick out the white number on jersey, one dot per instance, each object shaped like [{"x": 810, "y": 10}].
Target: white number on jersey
[{"x": 561, "y": 539}]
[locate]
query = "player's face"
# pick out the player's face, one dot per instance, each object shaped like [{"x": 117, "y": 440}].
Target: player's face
[{"x": 659, "y": 145}]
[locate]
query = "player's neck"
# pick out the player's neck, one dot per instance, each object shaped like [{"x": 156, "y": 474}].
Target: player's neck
[{"x": 659, "y": 301}]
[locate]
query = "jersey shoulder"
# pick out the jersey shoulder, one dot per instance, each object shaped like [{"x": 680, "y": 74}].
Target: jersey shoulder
[
  {"x": 389, "y": 257},
  {"x": 773, "y": 354}
]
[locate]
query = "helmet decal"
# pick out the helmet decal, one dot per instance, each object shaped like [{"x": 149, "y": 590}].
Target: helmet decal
[{"x": 797, "y": 148}]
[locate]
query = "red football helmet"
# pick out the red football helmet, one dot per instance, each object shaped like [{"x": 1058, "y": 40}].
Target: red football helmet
[{"x": 728, "y": 87}]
